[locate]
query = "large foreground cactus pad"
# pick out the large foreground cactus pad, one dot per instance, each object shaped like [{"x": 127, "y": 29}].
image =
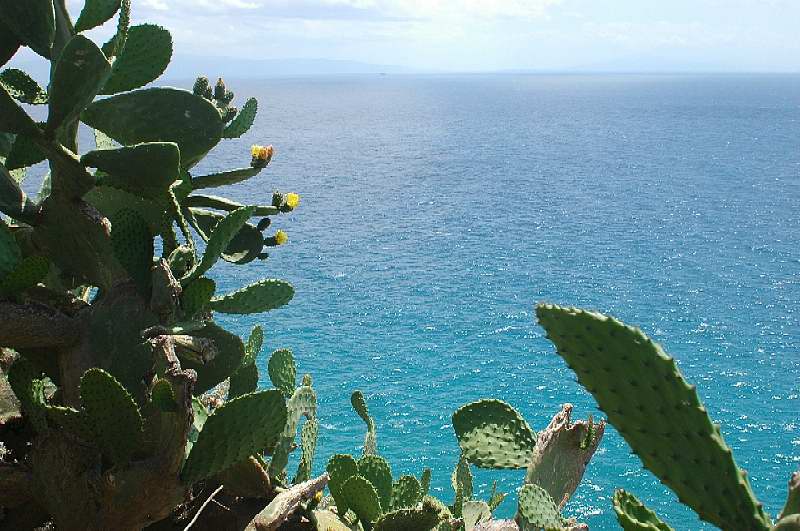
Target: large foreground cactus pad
[
  {"x": 240, "y": 428},
  {"x": 647, "y": 399}
]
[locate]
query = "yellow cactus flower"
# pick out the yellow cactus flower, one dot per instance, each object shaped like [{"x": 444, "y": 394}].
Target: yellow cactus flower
[
  {"x": 281, "y": 237},
  {"x": 292, "y": 200},
  {"x": 262, "y": 153}
]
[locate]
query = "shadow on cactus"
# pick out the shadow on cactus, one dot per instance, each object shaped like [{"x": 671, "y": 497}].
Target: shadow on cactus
[{"x": 122, "y": 403}]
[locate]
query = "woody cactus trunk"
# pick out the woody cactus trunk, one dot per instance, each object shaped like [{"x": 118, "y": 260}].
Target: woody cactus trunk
[{"x": 109, "y": 344}]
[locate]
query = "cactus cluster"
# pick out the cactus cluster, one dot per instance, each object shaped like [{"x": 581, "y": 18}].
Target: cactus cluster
[
  {"x": 124, "y": 403},
  {"x": 494, "y": 435}
]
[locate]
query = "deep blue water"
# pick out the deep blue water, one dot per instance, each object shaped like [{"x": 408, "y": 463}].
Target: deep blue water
[{"x": 438, "y": 210}]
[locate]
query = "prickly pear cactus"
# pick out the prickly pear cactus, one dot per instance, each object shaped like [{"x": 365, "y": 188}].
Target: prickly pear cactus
[
  {"x": 634, "y": 516},
  {"x": 107, "y": 291}
]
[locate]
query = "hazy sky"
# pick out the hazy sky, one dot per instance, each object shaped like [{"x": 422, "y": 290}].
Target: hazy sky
[{"x": 750, "y": 35}]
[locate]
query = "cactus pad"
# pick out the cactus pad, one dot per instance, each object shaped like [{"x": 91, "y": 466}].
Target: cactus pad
[
  {"x": 12, "y": 118},
  {"x": 25, "y": 381},
  {"x": 425, "y": 482},
  {"x": 362, "y": 499},
  {"x": 283, "y": 371},
  {"x": 10, "y": 254},
  {"x": 29, "y": 272},
  {"x": 341, "y": 467},
  {"x": 260, "y": 297},
  {"x": 113, "y": 416},
  {"x": 462, "y": 479},
  {"x": 243, "y": 381},
  {"x": 254, "y": 345},
  {"x": 230, "y": 352},
  {"x": 145, "y": 169},
  {"x": 377, "y": 471},
  {"x": 423, "y": 519},
  {"x": 218, "y": 241},
  {"x": 159, "y": 115},
  {"x": 634, "y": 516},
  {"x": 133, "y": 247},
  {"x": 147, "y": 52},
  {"x": 308, "y": 447},
  {"x": 78, "y": 75},
  {"x": 537, "y": 510},
  {"x": 24, "y": 153},
  {"x": 492, "y": 434},
  {"x": 33, "y": 22},
  {"x": 406, "y": 493},
  {"x": 302, "y": 403},
  {"x": 635, "y": 382},
  {"x": 243, "y": 121},
  {"x": 360, "y": 406},
  {"x": 22, "y": 87},
  {"x": 163, "y": 396},
  {"x": 95, "y": 13},
  {"x": 196, "y": 296},
  {"x": 236, "y": 430}
]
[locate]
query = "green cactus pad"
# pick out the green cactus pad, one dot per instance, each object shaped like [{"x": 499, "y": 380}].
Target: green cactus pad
[
  {"x": 302, "y": 403},
  {"x": 360, "y": 406},
  {"x": 243, "y": 121},
  {"x": 224, "y": 178},
  {"x": 71, "y": 421},
  {"x": 146, "y": 169},
  {"x": 113, "y": 416},
  {"x": 496, "y": 498},
  {"x": 196, "y": 296},
  {"x": 147, "y": 53},
  {"x": 537, "y": 510},
  {"x": 263, "y": 296},
  {"x": 461, "y": 479},
  {"x": 362, "y": 499},
  {"x": 163, "y": 396},
  {"x": 133, "y": 247},
  {"x": 635, "y": 382},
  {"x": 159, "y": 115},
  {"x": 116, "y": 43},
  {"x": 406, "y": 493},
  {"x": 230, "y": 352},
  {"x": 223, "y": 233},
  {"x": 243, "y": 381},
  {"x": 245, "y": 246},
  {"x": 25, "y": 381},
  {"x": 201, "y": 201},
  {"x": 29, "y": 272},
  {"x": 308, "y": 447},
  {"x": 283, "y": 371},
  {"x": 492, "y": 434},
  {"x": 199, "y": 416},
  {"x": 95, "y": 13},
  {"x": 12, "y": 118},
  {"x": 475, "y": 512},
  {"x": 423, "y": 519},
  {"x": 180, "y": 261},
  {"x": 378, "y": 472},
  {"x": 22, "y": 87},
  {"x": 425, "y": 482},
  {"x": 24, "y": 153},
  {"x": 10, "y": 254},
  {"x": 33, "y": 22},
  {"x": 255, "y": 342},
  {"x": 78, "y": 76},
  {"x": 341, "y": 467},
  {"x": 236, "y": 430},
  {"x": 634, "y": 516}
]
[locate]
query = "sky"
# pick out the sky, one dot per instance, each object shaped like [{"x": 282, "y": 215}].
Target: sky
[{"x": 491, "y": 35}]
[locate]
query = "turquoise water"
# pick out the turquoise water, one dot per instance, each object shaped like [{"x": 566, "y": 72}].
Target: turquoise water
[{"x": 437, "y": 210}]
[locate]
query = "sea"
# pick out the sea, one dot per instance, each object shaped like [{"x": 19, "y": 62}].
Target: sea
[{"x": 438, "y": 210}]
